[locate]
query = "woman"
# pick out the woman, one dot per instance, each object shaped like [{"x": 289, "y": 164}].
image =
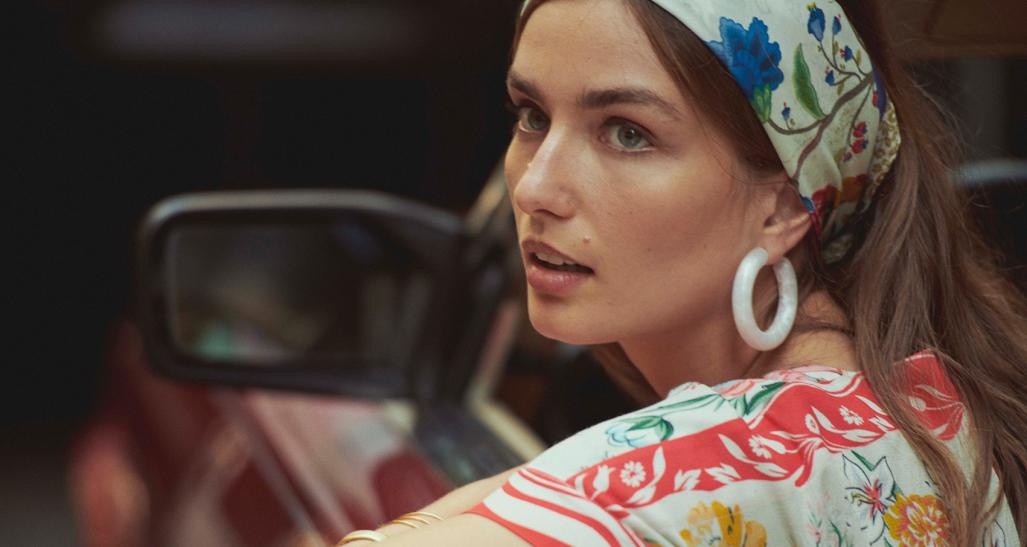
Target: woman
[{"x": 664, "y": 152}]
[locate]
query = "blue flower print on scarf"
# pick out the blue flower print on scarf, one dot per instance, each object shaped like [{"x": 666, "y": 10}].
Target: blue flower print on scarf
[
  {"x": 836, "y": 25},
  {"x": 752, "y": 59},
  {"x": 816, "y": 22},
  {"x": 880, "y": 98},
  {"x": 808, "y": 204}
]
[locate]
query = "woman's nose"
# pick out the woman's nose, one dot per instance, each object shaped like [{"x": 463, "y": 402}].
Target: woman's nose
[{"x": 543, "y": 188}]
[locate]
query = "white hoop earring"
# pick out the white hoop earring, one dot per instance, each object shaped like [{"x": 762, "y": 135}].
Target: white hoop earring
[{"x": 741, "y": 301}]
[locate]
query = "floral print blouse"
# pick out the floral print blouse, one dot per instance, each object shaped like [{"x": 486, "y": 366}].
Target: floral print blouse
[{"x": 804, "y": 456}]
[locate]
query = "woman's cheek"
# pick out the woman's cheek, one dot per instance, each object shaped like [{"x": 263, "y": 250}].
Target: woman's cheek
[{"x": 514, "y": 164}]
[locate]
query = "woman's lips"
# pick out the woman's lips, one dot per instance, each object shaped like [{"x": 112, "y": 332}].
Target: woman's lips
[
  {"x": 554, "y": 282},
  {"x": 534, "y": 246},
  {"x": 547, "y": 279}
]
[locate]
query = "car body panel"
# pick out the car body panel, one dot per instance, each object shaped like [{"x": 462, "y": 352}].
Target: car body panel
[{"x": 167, "y": 463}]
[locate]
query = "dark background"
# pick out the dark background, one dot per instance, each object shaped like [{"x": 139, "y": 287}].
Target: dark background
[
  {"x": 118, "y": 104},
  {"x": 106, "y": 129}
]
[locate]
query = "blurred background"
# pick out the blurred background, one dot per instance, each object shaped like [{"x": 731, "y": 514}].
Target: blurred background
[{"x": 120, "y": 103}]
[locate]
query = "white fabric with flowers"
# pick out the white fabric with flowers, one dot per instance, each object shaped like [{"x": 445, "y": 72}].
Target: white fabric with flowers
[{"x": 805, "y": 456}]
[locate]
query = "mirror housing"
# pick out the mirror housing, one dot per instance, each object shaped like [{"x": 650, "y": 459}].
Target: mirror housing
[{"x": 337, "y": 291}]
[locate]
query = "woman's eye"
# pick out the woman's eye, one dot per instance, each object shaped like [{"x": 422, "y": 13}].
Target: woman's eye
[
  {"x": 627, "y": 137},
  {"x": 531, "y": 119}
]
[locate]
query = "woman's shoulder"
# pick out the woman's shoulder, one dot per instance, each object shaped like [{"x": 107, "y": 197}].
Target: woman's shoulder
[
  {"x": 793, "y": 456},
  {"x": 752, "y": 428}
]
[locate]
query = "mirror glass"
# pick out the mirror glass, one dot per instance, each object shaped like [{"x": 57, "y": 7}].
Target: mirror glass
[{"x": 344, "y": 293}]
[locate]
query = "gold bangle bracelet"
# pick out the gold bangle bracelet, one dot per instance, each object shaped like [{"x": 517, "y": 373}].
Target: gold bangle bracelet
[
  {"x": 401, "y": 520},
  {"x": 423, "y": 514},
  {"x": 414, "y": 518},
  {"x": 358, "y": 535}
]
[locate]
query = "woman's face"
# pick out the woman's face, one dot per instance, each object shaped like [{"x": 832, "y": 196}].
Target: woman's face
[{"x": 612, "y": 167}]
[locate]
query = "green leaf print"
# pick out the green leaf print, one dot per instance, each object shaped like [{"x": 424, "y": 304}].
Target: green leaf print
[
  {"x": 664, "y": 430},
  {"x": 804, "y": 90},
  {"x": 657, "y": 428},
  {"x": 761, "y": 397},
  {"x": 695, "y": 402},
  {"x": 645, "y": 422},
  {"x": 761, "y": 101},
  {"x": 866, "y": 463}
]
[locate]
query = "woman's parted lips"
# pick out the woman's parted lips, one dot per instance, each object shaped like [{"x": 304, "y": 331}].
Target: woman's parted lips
[{"x": 531, "y": 246}]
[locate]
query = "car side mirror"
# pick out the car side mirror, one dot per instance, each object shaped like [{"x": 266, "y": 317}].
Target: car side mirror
[{"x": 330, "y": 290}]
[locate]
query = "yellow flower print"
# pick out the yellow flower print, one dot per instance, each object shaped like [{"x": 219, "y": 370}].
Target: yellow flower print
[
  {"x": 732, "y": 530},
  {"x": 917, "y": 521},
  {"x": 700, "y": 519}
]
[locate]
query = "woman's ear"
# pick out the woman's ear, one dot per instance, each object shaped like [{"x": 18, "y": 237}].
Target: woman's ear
[{"x": 786, "y": 220}]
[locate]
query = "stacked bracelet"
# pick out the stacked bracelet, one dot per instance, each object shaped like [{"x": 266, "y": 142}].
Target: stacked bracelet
[
  {"x": 358, "y": 535},
  {"x": 416, "y": 516},
  {"x": 407, "y": 520}
]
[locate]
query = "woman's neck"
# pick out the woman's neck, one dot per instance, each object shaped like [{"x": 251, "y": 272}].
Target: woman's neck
[{"x": 713, "y": 352}]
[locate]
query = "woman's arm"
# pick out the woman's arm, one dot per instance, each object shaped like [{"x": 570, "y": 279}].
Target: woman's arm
[
  {"x": 462, "y": 530},
  {"x": 455, "y": 526}
]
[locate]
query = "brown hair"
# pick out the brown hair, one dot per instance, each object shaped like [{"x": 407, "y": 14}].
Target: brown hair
[{"x": 921, "y": 277}]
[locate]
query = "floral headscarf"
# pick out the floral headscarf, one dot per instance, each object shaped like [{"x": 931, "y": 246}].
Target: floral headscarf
[{"x": 822, "y": 103}]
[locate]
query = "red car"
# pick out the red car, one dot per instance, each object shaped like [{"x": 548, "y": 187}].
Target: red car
[{"x": 402, "y": 312}]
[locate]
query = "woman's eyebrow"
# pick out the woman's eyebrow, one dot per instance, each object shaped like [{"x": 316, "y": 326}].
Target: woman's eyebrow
[
  {"x": 524, "y": 86},
  {"x": 601, "y": 98},
  {"x": 627, "y": 95}
]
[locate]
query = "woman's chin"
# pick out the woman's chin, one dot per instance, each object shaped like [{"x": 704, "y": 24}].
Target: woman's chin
[{"x": 562, "y": 325}]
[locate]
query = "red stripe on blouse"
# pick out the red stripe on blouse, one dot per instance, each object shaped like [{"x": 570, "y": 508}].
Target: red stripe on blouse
[
  {"x": 779, "y": 442},
  {"x": 527, "y": 534},
  {"x": 561, "y": 487},
  {"x": 599, "y": 527}
]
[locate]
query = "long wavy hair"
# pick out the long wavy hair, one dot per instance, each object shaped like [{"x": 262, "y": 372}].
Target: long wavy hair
[{"x": 920, "y": 275}]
